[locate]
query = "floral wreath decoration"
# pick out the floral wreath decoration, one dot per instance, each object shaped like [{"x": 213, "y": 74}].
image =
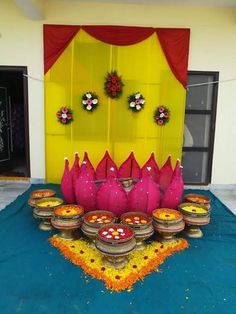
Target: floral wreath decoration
[
  {"x": 113, "y": 85},
  {"x": 162, "y": 115},
  {"x": 64, "y": 115},
  {"x": 136, "y": 102},
  {"x": 89, "y": 101}
]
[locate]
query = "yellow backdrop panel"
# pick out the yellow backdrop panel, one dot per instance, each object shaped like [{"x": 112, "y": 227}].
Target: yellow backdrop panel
[{"x": 83, "y": 67}]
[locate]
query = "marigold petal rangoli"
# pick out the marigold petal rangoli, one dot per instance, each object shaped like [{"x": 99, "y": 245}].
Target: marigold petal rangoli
[{"x": 140, "y": 263}]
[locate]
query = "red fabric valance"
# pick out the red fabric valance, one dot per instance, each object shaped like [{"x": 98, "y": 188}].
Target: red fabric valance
[
  {"x": 119, "y": 35},
  {"x": 174, "y": 42}
]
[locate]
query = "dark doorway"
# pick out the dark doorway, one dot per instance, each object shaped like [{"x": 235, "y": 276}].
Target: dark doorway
[{"x": 14, "y": 129}]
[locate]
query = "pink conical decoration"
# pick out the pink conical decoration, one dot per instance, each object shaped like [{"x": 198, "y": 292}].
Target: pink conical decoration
[
  {"x": 89, "y": 167},
  {"x": 155, "y": 171},
  {"x": 104, "y": 166},
  {"x": 75, "y": 168},
  {"x": 130, "y": 168},
  {"x": 67, "y": 184},
  {"x": 85, "y": 190},
  {"x": 111, "y": 196},
  {"x": 145, "y": 195},
  {"x": 173, "y": 194},
  {"x": 166, "y": 173}
]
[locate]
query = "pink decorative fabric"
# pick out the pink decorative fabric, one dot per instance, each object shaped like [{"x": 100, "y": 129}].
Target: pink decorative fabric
[
  {"x": 155, "y": 171},
  {"x": 104, "y": 166},
  {"x": 166, "y": 173},
  {"x": 130, "y": 168},
  {"x": 173, "y": 194},
  {"x": 67, "y": 184},
  {"x": 145, "y": 195},
  {"x": 75, "y": 168},
  {"x": 89, "y": 167},
  {"x": 111, "y": 196},
  {"x": 85, "y": 190}
]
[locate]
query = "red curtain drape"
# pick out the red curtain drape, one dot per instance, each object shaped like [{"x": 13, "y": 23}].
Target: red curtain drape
[
  {"x": 55, "y": 39},
  {"x": 174, "y": 42}
]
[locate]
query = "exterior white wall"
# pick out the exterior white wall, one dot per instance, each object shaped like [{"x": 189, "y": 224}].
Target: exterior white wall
[{"x": 212, "y": 48}]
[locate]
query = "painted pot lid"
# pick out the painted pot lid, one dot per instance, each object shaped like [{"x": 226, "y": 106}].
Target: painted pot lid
[
  {"x": 69, "y": 211},
  {"x": 115, "y": 233},
  {"x": 37, "y": 194},
  {"x": 136, "y": 219},
  {"x": 48, "y": 203},
  {"x": 98, "y": 218},
  {"x": 194, "y": 210},
  {"x": 197, "y": 198},
  {"x": 167, "y": 215}
]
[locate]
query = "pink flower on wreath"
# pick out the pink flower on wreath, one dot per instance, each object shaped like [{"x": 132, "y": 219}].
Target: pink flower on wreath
[
  {"x": 64, "y": 110},
  {"x": 69, "y": 116},
  {"x": 63, "y": 121},
  {"x": 161, "y": 109},
  {"x": 160, "y": 122},
  {"x": 166, "y": 114},
  {"x": 89, "y": 101},
  {"x": 137, "y": 101}
]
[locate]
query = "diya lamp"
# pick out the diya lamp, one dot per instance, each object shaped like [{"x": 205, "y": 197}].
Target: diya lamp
[
  {"x": 67, "y": 218},
  {"x": 195, "y": 216},
  {"x": 141, "y": 224},
  {"x": 44, "y": 211},
  {"x": 198, "y": 199},
  {"x": 167, "y": 222},
  {"x": 94, "y": 220},
  {"x": 115, "y": 242},
  {"x": 38, "y": 194}
]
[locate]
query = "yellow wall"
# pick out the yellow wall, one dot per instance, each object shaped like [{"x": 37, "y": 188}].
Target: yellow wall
[{"x": 212, "y": 47}]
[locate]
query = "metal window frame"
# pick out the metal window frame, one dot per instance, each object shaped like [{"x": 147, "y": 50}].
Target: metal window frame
[{"x": 212, "y": 112}]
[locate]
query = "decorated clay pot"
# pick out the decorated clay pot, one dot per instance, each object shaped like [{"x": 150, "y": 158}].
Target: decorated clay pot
[
  {"x": 198, "y": 199},
  {"x": 167, "y": 222},
  {"x": 141, "y": 224},
  {"x": 94, "y": 220},
  {"x": 115, "y": 242},
  {"x": 67, "y": 218},
  {"x": 38, "y": 194},
  {"x": 44, "y": 211},
  {"x": 194, "y": 216}
]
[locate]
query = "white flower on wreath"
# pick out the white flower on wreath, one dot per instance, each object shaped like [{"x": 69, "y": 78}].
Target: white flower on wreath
[
  {"x": 84, "y": 102},
  {"x": 137, "y": 96},
  {"x": 138, "y": 107},
  {"x": 95, "y": 101},
  {"x": 89, "y": 107},
  {"x": 88, "y": 95},
  {"x": 142, "y": 101},
  {"x": 132, "y": 104},
  {"x": 64, "y": 116},
  {"x": 162, "y": 115}
]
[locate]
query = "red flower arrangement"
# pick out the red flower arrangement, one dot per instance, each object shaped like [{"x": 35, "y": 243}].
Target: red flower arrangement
[
  {"x": 113, "y": 85},
  {"x": 162, "y": 115},
  {"x": 64, "y": 115}
]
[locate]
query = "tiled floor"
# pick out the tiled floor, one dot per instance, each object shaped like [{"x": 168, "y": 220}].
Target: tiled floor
[
  {"x": 227, "y": 196},
  {"x": 9, "y": 190}
]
